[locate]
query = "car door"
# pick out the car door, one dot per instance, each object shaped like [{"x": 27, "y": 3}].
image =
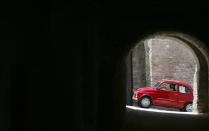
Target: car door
[
  {"x": 162, "y": 95},
  {"x": 184, "y": 95},
  {"x": 174, "y": 96}
]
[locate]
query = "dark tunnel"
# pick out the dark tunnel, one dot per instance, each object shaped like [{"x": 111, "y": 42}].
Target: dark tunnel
[{"x": 64, "y": 63}]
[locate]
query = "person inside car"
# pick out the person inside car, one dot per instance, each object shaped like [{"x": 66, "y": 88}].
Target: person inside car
[{"x": 172, "y": 87}]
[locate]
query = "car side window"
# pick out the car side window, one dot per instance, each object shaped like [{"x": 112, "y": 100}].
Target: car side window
[
  {"x": 184, "y": 90},
  {"x": 164, "y": 86},
  {"x": 174, "y": 87},
  {"x": 168, "y": 87}
]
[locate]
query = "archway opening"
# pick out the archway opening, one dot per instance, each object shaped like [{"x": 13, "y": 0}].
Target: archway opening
[{"x": 166, "y": 59}]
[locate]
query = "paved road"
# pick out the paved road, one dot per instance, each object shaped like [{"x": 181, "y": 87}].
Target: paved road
[{"x": 160, "y": 109}]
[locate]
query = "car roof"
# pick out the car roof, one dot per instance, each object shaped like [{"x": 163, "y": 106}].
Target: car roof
[{"x": 177, "y": 82}]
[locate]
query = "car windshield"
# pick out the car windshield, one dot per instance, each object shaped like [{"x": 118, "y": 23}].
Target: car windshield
[{"x": 157, "y": 84}]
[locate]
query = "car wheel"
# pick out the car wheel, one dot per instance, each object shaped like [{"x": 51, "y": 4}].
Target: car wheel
[
  {"x": 189, "y": 107},
  {"x": 145, "y": 102}
]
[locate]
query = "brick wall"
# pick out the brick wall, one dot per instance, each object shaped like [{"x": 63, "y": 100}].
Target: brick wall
[
  {"x": 139, "y": 66},
  {"x": 162, "y": 58}
]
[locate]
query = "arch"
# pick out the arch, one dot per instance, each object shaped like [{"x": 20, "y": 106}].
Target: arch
[{"x": 200, "y": 53}]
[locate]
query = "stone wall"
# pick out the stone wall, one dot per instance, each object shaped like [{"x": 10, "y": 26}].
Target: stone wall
[
  {"x": 139, "y": 67},
  {"x": 163, "y": 58}
]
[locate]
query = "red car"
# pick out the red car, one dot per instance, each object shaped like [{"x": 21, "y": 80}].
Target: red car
[{"x": 166, "y": 93}]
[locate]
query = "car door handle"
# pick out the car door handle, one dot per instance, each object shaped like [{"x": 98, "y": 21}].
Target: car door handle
[{"x": 175, "y": 94}]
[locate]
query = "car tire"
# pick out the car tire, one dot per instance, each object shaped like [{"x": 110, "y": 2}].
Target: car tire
[
  {"x": 188, "y": 107},
  {"x": 145, "y": 102}
]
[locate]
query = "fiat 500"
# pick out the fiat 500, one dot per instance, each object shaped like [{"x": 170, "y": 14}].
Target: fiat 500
[{"x": 166, "y": 93}]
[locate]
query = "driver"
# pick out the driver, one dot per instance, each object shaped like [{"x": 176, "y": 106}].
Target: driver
[{"x": 172, "y": 87}]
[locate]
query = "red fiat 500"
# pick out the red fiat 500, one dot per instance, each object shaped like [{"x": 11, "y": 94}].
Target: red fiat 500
[{"x": 166, "y": 93}]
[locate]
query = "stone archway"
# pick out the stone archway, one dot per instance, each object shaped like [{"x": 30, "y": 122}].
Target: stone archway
[{"x": 201, "y": 56}]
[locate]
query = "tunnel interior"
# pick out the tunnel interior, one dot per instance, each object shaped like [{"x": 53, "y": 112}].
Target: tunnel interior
[{"x": 64, "y": 63}]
